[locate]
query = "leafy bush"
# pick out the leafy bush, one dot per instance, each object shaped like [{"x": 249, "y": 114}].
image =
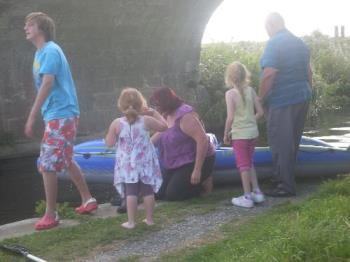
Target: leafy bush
[
  {"x": 331, "y": 66},
  {"x": 330, "y": 59},
  {"x": 214, "y": 60}
]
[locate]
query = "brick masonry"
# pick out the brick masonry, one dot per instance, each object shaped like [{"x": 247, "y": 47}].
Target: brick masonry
[{"x": 110, "y": 44}]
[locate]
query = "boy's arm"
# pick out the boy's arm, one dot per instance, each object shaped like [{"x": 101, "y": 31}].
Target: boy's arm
[{"x": 40, "y": 98}]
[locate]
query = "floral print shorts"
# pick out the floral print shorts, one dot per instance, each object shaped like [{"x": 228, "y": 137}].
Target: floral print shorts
[{"x": 56, "y": 152}]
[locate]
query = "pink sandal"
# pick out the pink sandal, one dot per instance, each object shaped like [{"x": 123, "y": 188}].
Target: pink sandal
[
  {"x": 47, "y": 222},
  {"x": 87, "y": 207}
]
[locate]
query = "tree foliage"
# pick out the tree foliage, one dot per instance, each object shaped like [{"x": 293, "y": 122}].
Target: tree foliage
[{"x": 330, "y": 60}]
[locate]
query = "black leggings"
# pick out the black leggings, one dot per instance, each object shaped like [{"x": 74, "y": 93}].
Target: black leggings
[
  {"x": 177, "y": 182},
  {"x": 139, "y": 188}
]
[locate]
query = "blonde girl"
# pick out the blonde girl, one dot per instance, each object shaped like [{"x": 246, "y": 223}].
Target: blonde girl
[
  {"x": 137, "y": 170},
  {"x": 241, "y": 131}
]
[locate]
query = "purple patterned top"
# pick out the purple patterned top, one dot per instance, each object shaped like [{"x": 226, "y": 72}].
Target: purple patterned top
[{"x": 175, "y": 147}]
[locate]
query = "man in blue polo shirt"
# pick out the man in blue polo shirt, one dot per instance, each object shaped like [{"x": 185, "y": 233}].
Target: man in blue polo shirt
[{"x": 285, "y": 89}]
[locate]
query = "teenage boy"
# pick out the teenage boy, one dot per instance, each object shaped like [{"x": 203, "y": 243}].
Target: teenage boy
[{"x": 57, "y": 99}]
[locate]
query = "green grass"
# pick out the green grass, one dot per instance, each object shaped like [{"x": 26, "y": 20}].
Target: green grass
[
  {"x": 67, "y": 244},
  {"x": 317, "y": 229}
]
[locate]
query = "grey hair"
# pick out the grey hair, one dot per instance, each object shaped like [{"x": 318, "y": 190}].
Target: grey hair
[{"x": 275, "y": 20}]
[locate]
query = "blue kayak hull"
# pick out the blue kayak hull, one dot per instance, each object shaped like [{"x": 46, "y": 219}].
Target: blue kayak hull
[{"x": 315, "y": 158}]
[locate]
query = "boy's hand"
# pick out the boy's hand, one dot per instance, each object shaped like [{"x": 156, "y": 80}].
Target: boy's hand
[{"x": 28, "y": 128}]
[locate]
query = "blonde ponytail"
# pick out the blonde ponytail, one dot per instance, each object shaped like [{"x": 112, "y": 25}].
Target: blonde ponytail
[
  {"x": 241, "y": 92},
  {"x": 237, "y": 76},
  {"x": 131, "y": 115},
  {"x": 130, "y": 103}
]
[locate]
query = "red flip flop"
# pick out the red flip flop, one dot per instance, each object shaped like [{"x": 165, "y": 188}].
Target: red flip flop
[
  {"x": 87, "y": 207},
  {"x": 47, "y": 222}
]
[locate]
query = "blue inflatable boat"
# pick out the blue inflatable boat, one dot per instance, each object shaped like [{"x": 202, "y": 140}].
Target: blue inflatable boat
[{"x": 315, "y": 158}]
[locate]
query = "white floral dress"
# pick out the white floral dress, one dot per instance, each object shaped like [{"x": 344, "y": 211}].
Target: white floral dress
[{"x": 136, "y": 157}]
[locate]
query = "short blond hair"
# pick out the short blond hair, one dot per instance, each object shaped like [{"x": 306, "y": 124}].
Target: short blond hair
[
  {"x": 45, "y": 24},
  {"x": 131, "y": 102}
]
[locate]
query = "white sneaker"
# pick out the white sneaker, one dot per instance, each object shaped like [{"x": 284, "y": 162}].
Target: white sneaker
[
  {"x": 258, "y": 197},
  {"x": 242, "y": 201}
]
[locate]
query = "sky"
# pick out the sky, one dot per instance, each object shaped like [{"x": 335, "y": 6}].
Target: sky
[{"x": 243, "y": 20}]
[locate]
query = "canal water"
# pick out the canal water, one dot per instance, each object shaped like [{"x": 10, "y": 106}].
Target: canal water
[
  {"x": 332, "y": 128},
  {"x": 21, "y": 185}
]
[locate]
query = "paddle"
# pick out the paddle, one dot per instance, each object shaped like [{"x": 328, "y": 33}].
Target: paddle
[{"x": 17, "y": 249}]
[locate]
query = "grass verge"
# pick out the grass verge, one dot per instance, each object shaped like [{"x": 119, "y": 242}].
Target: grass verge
[
  {"x": 67, "y": 244},
  {"x": 317, "y": 229}
]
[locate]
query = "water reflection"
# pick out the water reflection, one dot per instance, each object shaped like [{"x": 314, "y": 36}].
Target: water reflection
[
  {"x": 331, "y": 128},
  {"x": 340, "y": 128}
]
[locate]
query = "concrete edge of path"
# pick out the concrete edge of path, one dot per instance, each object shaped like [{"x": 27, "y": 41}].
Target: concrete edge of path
[{"x": 26, "y": 227}]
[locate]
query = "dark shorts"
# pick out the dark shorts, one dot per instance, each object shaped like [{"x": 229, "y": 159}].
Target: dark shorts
[
  {"x": 56, "y": 151},
  {"x": 138, "y": 189},
  {"x": 177, "y": 184}
]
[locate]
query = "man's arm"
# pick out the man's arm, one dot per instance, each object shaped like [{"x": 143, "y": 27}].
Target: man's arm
[
  {"x": 269, "y": 63},
  {"x": 259, "y": 110},
  {"x": 43, "y": 93},
  {"x": 266, "y": 82}
]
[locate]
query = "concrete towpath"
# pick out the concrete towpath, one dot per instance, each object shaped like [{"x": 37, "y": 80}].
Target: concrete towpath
[{"x": 26, "y": 227}]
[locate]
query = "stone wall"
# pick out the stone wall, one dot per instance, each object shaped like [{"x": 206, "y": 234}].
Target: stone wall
[{"x": 110, "y": 44}]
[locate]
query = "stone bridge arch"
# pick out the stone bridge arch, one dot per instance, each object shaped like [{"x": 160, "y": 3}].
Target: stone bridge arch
[{"x": 110, "y": 44}]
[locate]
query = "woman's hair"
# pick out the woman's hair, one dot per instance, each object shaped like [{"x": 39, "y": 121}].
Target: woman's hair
[
  {"x": 45, "y": 24},
  {"x": 237, "y": 76},
  {"x": 131, "y": 102},
  {"x": 165, "y": 99}
]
